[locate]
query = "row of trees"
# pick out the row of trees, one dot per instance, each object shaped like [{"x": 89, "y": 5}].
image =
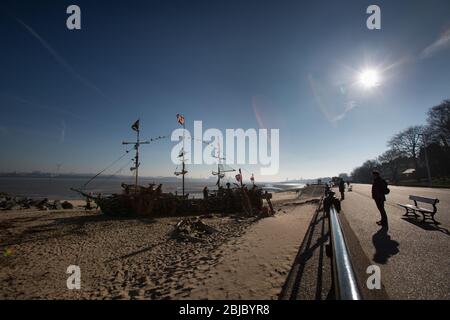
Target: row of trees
[{"x": 412, "y": 148}]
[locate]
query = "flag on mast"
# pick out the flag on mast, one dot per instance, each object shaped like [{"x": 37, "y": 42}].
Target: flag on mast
[
  {"x": 135, "y": 126},
  {"x": 180, "y": 119}
]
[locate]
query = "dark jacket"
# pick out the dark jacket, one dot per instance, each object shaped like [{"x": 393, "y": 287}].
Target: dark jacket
[
  {"x": 341, "y": 186},
  {"x": 379, "y": 187}
]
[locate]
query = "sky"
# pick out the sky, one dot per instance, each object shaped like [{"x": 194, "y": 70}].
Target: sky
[{"x": 69, "y": 97}]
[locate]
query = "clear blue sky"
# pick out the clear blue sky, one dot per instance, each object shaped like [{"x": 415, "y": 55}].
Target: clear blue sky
[{"x": 69, "y": 97}]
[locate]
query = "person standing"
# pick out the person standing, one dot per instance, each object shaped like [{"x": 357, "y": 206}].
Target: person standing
[
  {"x": 205, "y": 193},
  {"x": 379, "y": 191},
  {"x": 99, "y": 197},
  {"x": 88, "y": 202},
  {"x": 342, "y": 188}
]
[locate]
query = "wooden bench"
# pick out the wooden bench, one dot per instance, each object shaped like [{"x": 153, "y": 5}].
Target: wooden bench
[{"x": 426, "y": 213}]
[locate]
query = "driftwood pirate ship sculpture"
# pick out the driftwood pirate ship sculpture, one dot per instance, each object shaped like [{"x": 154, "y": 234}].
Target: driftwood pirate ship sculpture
[{"x": 152, "y": 201}]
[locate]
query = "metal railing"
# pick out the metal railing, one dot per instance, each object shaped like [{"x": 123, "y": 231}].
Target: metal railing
[{"x": 344, "y": 279}]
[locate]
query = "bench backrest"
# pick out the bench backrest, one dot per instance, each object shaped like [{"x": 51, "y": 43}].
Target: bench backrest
[{"x": 423, "y": 199}]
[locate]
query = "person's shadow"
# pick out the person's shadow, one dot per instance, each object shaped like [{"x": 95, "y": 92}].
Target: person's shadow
[{"x": 385, "y": 247}]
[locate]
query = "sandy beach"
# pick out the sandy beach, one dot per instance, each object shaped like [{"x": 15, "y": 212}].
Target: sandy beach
[{"x": 135, "y": 258}]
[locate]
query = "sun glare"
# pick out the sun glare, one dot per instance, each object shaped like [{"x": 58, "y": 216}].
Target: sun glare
[{"x": 369, "y": 78}]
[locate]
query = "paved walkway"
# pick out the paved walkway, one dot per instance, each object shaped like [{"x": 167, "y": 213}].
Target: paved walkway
[{"x": 414, "y": 257}]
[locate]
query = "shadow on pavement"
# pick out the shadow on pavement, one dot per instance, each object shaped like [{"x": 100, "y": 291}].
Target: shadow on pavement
[
  {"x": 310, "y": 275},
  {"x": 385, "y": 247},
  {"x": 427, "y": 226}
]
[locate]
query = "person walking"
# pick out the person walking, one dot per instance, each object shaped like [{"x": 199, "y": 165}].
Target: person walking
[
  {"x": 342, "y": 188},
  {"x": 379, "y": 191}
]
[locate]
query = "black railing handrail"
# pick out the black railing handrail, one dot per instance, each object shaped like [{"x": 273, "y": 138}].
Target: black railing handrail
[{"x": 344, "y": 279}]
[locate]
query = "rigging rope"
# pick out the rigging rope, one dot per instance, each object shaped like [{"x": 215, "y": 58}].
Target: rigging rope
[
  {"x": 118, "y": 159},
  {"x": 109, "y": 166},
  {"x": 112, "y": 175}
]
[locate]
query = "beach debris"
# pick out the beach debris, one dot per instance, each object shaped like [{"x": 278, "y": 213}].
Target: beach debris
[
  {"x": 191, "y": 229},
  {"x": 67, "y": 205},
  {"x": 19, "y": 203},
  {"x": 43, "y": 204},
  {"x": 8, "y": 252},
  {"x": 9, "y": 204},
  {"x": 266, "y": 212},
  {"x": 57, "y": 205}
]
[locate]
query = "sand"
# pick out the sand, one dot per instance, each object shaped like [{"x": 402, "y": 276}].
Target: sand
[
  {"x": 255, "y": 266},
  {"x": 136, "y": 259}
]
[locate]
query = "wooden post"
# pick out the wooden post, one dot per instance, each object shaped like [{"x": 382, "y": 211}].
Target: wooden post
[{"x": 240, "y": 174}]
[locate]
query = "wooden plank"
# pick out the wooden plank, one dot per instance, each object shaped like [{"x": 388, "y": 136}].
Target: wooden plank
[
  {"x": 423, "y": 199},
  {"x": 424, "y": 210}
]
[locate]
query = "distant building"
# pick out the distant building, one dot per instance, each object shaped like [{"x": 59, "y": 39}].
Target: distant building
[{"x": 409, "y": 172}]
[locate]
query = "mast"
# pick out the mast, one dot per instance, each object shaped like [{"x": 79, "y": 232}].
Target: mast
[
  {"x": 220, "y": 167},
  {"x": 137, "y": 144},
  {"x": 180, "y": 120},
  {"x": 136, "y": 160},
  {"x": 183, "y": 171},
  {"x": 240, "y": 174},
  {"x": 218, "y": 175}
]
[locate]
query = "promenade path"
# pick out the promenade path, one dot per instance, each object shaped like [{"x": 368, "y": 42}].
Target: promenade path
[{"x": 414, "y": 257}]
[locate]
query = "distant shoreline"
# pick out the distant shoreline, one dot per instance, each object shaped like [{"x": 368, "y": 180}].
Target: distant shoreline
[
  {"x": 57, "y": 188},
  {"x": 60, "y": 188}
]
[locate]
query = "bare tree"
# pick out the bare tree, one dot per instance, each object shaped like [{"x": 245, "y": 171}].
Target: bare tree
[
  {"x": 363, "y": 173},
  {"x": 390, "y": 159},
  {"x": 344, "y": 176},
  {"x": 389, "y": 156},
  {"x": 408, "y": 142},
  {"x": 439, "y": 123}
]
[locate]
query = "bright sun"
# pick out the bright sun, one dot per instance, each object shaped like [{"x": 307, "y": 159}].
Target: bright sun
[{"x": 369, "y": 78}]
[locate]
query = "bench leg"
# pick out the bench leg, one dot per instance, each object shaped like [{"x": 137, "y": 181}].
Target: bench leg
[
  {"x": 424, "y": 217},
  {"x": 410, "y": 211},
  {"x": 431, "y": 217},
  {"x": 435, "y": 222}
]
